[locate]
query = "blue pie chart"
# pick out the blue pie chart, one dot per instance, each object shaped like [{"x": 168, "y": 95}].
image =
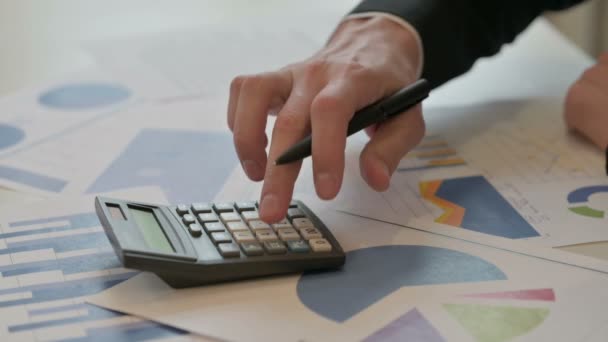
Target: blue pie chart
[
  {"x": 84, "y": 96},
  {"x": 373, "y": 273},
  {"x": 10, "y": 136}
]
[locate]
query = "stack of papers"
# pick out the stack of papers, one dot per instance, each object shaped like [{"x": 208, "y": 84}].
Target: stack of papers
[{"x": 431, "y": 259}]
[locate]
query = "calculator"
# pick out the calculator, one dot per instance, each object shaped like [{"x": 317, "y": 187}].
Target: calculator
[{"x": 202, "y": 243}]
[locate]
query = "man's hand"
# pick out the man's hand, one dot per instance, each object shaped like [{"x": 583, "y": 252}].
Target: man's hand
[
  {"x": 365, "y": 60},
  {"x": 587, "y": 104}
]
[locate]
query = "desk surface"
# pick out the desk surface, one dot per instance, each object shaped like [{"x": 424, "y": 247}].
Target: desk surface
[{"x": 40, "y": 40}]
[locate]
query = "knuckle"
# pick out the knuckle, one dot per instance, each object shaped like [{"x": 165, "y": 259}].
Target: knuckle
[
  {"x": 315, "y": 68},
  {"x": 324, "y": 104},
  {"x": 253, "y": 82},
  {"x": 236, "y": 83},
  {"x": 288, "y": 122}
]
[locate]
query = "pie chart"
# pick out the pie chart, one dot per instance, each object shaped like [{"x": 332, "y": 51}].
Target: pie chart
[
  {"x": 370, "y": 274},
  {"x": 10, "y": 136},
  {"x": 84, "y": 96}
]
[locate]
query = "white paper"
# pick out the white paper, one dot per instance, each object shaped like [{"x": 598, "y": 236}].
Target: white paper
[
  {"x": 52, "y": 255},
  {"x": 505, "y": 169},
  {"x": 346, "y": 308}
]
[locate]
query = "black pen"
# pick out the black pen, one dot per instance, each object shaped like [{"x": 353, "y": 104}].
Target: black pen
[{"x": 397, "y": 103}]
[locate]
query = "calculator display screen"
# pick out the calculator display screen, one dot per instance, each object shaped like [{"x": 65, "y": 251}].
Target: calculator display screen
[{"x": 151, "y": 230}]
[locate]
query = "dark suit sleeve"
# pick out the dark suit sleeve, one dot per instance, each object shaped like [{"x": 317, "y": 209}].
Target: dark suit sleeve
[{"x": 455, "y": 33}]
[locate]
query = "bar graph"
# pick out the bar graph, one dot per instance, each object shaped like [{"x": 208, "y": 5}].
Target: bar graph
[{"x": 47, "y": 267}]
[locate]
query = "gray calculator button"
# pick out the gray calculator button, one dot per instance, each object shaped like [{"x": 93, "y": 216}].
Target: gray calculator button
[
  {"x": 311, "y": 233},
  {"x": 275, "y": 247},
  {"x": 257, "y": 225},
  {"x": 211, "y": 227},
  {"x": 209, "y": 217},
  {"x": 289, "y": 234},
  {"x": 294, "y": 212},
  {"x": 229, "y": 250},
  {"x": 298, "y": 246},
  {"x": 252, "y": 248},
  {"x": 245, "y": 206},
  {"x": 199, "y": 208},
  {"x": 220, "y": 237},
  {"x": 250, "y": 215},
  {"x": 229, "y": 217},
  {"x": 223, "y": 207},
  {"x": 302, "y": 222},
  {"x": 237, "y": 226},
  {"x": 266, "y": 235},
  {"x": 181, "y": 209},
  {"x": 293, "y": 204},
  {"x": 320, "y": 245},
  {"x": 188, "y": 219},
  {"x": 195, "y": 229},
  {"x": 243, "y": 236}
]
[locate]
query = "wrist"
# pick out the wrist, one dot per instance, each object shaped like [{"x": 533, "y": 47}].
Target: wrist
[{"x": 383, "y": 27}]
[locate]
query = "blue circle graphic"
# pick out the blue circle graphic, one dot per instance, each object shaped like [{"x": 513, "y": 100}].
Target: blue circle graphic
[
  {"x": 373, "y": 273},
  {"x": 10, "y": 135},
  {"x": 84, "y": 96}
]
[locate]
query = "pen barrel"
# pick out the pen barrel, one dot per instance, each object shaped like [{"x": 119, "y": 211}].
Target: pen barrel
[{"x": 397, "y": 103}]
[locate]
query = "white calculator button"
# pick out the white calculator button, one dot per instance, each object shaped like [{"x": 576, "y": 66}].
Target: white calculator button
[
  {"x": 266, "y": 235},
  {"x": 311, "y": 233},
  {"x": 257, "y": 224},
  {"x": 320, "y": 245},
  {"x": 250, "y": 215},
  {"x": 302, "y": 222},
  {"x": 278, "y": 226},
  {"x": 243, "y": 236},
  {"x": 235, "y": 226},
  {"x": 228, "y": 217},
  {"x": 294, "y": 212},
  {"x": 289, "y": 234}
]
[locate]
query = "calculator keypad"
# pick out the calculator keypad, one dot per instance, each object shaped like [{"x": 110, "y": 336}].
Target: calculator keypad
[{"x": 236, "y": 227}]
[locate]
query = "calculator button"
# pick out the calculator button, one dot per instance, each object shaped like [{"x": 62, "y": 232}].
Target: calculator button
[
  {"x": 266, "y": 235},
  {"x": 243, "y": 236},
  {"x": 250, "y": 215},
  {"x": 311, "y": 233},
  {"x": 220, "y": 237},
  {"x": 223, "y": 207},
  {"x": 181, "y": 209},
  {"x": 228, "y": 217},
  {"x": 212, "y": 227},
  {"x": 257, "y": 225},
  {"x": 195, "y": 229},
  {"x": 298, "y": 246},
  {"x": 302, "y": 222},
  {"x": 245, "y": 206},
  {"x": 252, "y": 248},
  {"x": 237, "y": 226},
  {"x": 229, "y": 250},
  {"x": 289, "y": 234},
  {"x": 275, "y": 247},
  {"x": 293, "y": 204},
  {"x": 280, "y": 225},
  {"x": 210, "y": 217},
  {"x": 320, "y": 245},
  {"x": 199, "y": 208},
  {"x": 294, "y": 212},
  {"x": 188, "y": 219}
]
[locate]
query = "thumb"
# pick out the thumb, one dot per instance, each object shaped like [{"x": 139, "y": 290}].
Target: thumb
[{"x": 391, "y": 140}]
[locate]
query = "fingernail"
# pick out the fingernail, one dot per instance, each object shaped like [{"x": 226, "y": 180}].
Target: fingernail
[
  {"x": 326, "y": 185},
  {"x": 269, "y": 205},
  {"x": 252, "y": 168}
]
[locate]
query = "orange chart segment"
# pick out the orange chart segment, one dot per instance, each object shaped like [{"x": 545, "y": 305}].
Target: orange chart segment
[
  {"x": 473, "y": 203},
  {"x": 452, "y": 213}
]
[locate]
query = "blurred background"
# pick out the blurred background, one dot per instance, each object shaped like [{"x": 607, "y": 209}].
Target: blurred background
[{"x": 40, "y": 39}]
